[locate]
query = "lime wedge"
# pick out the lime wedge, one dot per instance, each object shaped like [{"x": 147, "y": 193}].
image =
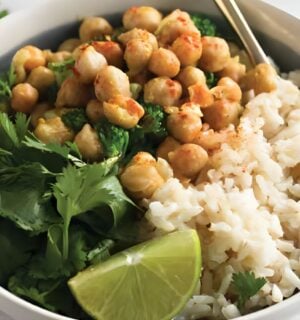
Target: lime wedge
[{"x": 150, "y": 281}]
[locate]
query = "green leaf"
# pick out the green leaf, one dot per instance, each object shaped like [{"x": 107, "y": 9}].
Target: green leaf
[
  {"x": 75, "y": 119},
  {"x": 62, "y": 70},
  {"x": 3, "y": 13},
  {"x": 7, "y": 80},
  {"x": 246, "y": 286},
  {"x": 204, "y": 25},
  {"x": 9, "y": 139},
  {"x": 16, "y": 249},
  {"x": 101, "y": 252},
  {"x": 211, "y": 79}
]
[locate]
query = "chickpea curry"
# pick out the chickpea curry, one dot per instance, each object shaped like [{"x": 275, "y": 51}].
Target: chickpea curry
[{"x": 159, "y": 89}]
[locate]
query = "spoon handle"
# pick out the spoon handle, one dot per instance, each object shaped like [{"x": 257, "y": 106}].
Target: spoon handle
[{"x": 235, "y": 17}]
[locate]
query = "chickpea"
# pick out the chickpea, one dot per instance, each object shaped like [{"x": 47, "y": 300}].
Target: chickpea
[
  {"x": 24, "y": 97},
  {"x": 164, "y": 62},
  {"x": 112, "y": 52},
  {"x": 173, "y": 26},
  {"x": 137, "y": 55},
  {"x": 53, "y": 131},
  {"x": 123, "y": 111},
  {"x": 141, "y": 177},
  {"x": 162, "y": 91},
  {"x": 189, "y": 76},
  {"x": 59, "y": 56},
  {"x": 110, "y": 82},
  {"x": 188, "y": 49},
  {"x": 26, "y": 59},
  {"x": 69, "y": 45},
  {"x": 200, "y": 94},
  {"x": 41, "y": 78},
  {"x": 89, "y": 144},
  {"x": 94, "y": 110},
  {"x": 147, "y": 18},
  {"x": 215, "y": 54},
  {"x": 136, "y": 33},
  {"x": 184, "y": 125},
  {"x": 222, "y": 113},
  {"x": 39, "y": 112},
  {"x": 167, "y": 146},
  {"x": 73, "y": 93},
  {"x": 94, "y": 27},
  {"x": 227, "y": 89},
  {"x": 233, "y": 69},
  {"x": 141, "y": 78},
  {"x": 262, "y": 78},
  {"x": 88, "y": 63},
  {"x": 188, "y": 159}
]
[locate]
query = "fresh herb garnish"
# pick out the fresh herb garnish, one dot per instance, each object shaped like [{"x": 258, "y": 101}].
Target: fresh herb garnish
[
  {"x": 204, "y": 25},
  {"x": 75, "y": 119},
  {"x": 62, "y": 70},
  {"x": 3, "y": 13}
]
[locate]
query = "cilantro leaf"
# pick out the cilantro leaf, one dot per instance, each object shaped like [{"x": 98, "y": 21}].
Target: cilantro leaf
[
  {"x": 75, "y": 119},
  {"x": 204, "y": 25},
  {"x": 3, "y": 13},
  {"x": 62, "y": 70},
  {"x": 246, "y": 286},
  {"x": 7, "y": 80},
  {"x": 211, "y": 79}
]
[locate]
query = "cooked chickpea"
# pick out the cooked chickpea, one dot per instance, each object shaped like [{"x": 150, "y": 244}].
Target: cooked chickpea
[
  {"x": 26, "y": 59},
  {"x": 136, "y": 33},
  {"x": 199, "y": 93},
  {"x": 123, "y": 111},
  {"x": 162, "y": 91},
  {"x": 141, "y": 78},
  {"x": 94, "y": 110},
  {"x": 141, "y": 177},
  {"x": 188, "y": 49},
  {"x": 53, "y": 131},
  {"x": 147, "y": 18},
  {"x": 227, "y": 89},
  {"x": 73, "y": 93},
  {"x": 262, "y": 78},
  {"x": 164, "y": 62},
  {"x": 59, "y": 56},
  {"x": 93, "y": 27},
  {"x": 24, "y": 97},
  {"x": 110, "y": 82},
  {"x": 184, "y": 125},
  {"x": 112, "y": 52},
  {"x": 41, "y": 78},
  {"x": 173, "y": 26},
  {"x": 188, "y": 159},
  {"x": 89, "y": 144},
  {"x": 137, "y": 55},
  {"x": 222, "y": 113},
  {"x": 88, "y": 63},
  {"x": 69, "y": 45},
  {"x": 39, "y": 112},
  {"x": 189, "y": 76},
  {"x": 167, "y": 146},
  {"x": 215, "y": 54},
  {"x": 233, "y": 69}
]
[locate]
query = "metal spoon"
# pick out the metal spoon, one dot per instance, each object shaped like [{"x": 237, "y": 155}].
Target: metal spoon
[{"x": 235, "y": 17}]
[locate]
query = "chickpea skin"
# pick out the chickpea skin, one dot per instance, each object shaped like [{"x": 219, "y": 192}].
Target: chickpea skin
[
  {"x": 162, "y": 91},
  {"x": 184, "y": 125},
  {"x": 88, "y": 143},
  {"x": 69, "y": 45},
  {"x": 39, "y": 112},
  {"x": 227, "y": 89},
  {"x": 143, "y": 17},
  {"x": 189, "y": 76},
  {"x": 41, "y": 78},
  {"x": 73, "y": 93},
  {"x": 215, "y": 54},
  {"x": 188, "y": 49},
  {"x": 59, "y": 56},
  {"x": 164, "y": 62},
  {"x": 141, "y": 177},
  {"x": 136, "y": 33},
  {"x": 94, "y": 110},
  {"x": 88, "y": 63},
  {"x": 94, "y": 27},
  {"x": 24, "y": 97},
  {"x": 188, "y": 160},
  {"x": 233, "y": 69},
  {"x": 26, "y": 59},
  {"x": 167, "y": 146},
  {"x": 110, "y": 82},
  {"x": 53, "y": 131},
  {"x": 123, "y": 111},
  {"x": 222, "y": 113},
  {"x": 112, "y": 52},
  {"x": 137, "y": 55},
  {"x": 200, "y": 94}
]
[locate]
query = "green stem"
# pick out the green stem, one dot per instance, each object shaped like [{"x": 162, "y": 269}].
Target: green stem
[{"x": 66, "y": 240}]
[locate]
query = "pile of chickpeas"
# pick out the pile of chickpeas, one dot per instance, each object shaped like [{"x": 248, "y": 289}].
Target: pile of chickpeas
[{"x": 168, "y": 58}]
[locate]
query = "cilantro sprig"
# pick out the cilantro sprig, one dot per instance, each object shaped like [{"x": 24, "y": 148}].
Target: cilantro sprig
[{"x": 246, "y": 286}]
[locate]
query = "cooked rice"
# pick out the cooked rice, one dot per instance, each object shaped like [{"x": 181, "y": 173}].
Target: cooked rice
[{"x": 246, "y": 208}]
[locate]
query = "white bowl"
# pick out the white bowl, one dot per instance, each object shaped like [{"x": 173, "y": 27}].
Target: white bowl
[{"x": 52, "y": 21}]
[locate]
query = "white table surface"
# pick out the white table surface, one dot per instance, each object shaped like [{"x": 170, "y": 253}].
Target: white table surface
[{"x": 290, "y": 6}]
